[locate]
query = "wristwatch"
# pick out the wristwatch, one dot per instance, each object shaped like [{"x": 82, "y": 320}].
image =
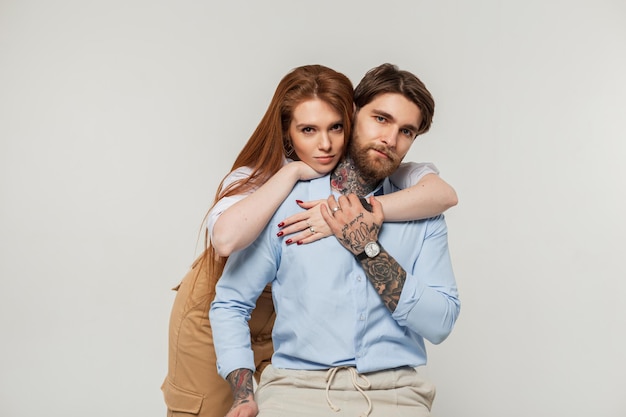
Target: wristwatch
[{"x": 372, "y": 249}]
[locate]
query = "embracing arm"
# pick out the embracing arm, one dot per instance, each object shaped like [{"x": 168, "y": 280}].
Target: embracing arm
[
  {"x": 241, "y": 223},
  {"x": 421, "y": 194},
  {"x": 429, "y": 197}
]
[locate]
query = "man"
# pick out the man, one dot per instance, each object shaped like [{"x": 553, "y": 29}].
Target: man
[{"x": 350, "y": 324}]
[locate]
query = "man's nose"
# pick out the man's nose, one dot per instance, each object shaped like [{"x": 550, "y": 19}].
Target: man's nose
[{"x": 390, "y": 137}]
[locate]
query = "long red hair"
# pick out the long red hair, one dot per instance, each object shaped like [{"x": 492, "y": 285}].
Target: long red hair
[{"x": 264, "y": 153}]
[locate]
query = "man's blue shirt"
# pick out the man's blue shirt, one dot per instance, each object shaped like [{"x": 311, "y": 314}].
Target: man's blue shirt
[{"x": 328, "y": 314}]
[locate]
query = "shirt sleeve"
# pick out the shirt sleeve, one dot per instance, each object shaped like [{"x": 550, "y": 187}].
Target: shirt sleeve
[
  {"x": 246, "y": 274},
  {"x": 410, "y": 173},
  {"x": 225, "y": 203},
  {"x": 429, "y": 304}
]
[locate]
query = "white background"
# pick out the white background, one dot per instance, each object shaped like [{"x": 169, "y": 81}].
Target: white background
[{"x": 119, "y": 118}]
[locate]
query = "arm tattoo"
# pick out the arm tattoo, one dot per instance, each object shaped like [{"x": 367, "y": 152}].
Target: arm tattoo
[
  {"x": 387, "y": 276},
  {"x": 240, "y": 381}
]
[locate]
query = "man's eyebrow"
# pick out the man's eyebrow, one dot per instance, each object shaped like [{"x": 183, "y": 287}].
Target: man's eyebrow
[{"x": 390, "y": 117}]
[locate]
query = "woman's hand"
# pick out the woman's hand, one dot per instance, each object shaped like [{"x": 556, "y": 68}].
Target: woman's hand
[
  {"x": 307, "y": 226},
  {"x": 305, "y": 172}
]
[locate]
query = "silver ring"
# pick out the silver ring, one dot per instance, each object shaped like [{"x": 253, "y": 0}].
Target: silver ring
[
  {"x": 312, "y": 230},
  {"x": 336, "y": 209}
]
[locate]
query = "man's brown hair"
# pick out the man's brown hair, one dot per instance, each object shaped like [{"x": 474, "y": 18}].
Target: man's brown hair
[{"x": 388, "y": 78}]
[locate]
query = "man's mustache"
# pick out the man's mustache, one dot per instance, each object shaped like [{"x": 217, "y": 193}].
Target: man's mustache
[{"x": 391, "y": 154}]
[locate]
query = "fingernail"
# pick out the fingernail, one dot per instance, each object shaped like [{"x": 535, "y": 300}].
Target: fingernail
[
  {"x": 279, "y": 234},
  {"x": 299, "y": 201},
  {"x": 299, "y": 242},
  {"x": 289, "y": 241},
  {"x": 281, "y": 224}
]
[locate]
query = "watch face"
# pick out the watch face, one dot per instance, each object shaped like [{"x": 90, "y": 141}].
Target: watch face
[{"x": 372, "y": 249}]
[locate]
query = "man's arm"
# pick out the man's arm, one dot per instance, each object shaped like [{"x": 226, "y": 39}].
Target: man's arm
[
  {"x": 245, "y": 275},
  {"x": 240, "y": 381},
  {"x": 387, "y": 277},
  {"x": 430, "y": 305},
  {"x": 354, "y": 226}
]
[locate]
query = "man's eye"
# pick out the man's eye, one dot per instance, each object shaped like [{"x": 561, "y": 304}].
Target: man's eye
[
  {"x": 380, "y": 119},
  {"x": 407, "y": 133}
]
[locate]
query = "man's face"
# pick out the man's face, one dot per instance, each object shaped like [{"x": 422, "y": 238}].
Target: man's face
[{"x": 384, "y": 131}]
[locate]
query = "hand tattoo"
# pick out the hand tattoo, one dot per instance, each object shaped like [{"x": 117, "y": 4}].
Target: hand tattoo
[{"x": 357, "y": 233}]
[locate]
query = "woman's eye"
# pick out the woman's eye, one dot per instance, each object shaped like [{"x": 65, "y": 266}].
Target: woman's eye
[
  {"x": 307, "y": 130},
  {"x": 337, "y": 128}
]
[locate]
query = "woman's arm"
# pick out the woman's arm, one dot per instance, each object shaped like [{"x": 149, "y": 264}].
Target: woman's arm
[
  {"x": 422, "y": 194},
  {"x": 238, "y": 225},
  {"x": 429, "y": 197}
]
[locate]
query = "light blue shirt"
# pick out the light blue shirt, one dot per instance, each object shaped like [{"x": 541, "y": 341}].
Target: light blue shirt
[{"x": 328, "y": 314}]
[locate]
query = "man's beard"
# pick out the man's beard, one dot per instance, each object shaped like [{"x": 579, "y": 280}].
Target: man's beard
[{"x": 370, "y": 167}]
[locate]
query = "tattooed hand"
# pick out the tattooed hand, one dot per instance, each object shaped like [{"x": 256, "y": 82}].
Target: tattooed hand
[
  {"x": 240, "y": 381},
  {"x": 352, "y": 224}
]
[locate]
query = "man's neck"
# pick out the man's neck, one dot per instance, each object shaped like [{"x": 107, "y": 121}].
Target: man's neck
[{"x": 347, "y": 179}]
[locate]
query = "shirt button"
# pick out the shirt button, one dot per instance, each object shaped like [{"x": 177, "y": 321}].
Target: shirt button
[
  {"x": 362, "y": 317},
  {"x": 359, "y": 278}
]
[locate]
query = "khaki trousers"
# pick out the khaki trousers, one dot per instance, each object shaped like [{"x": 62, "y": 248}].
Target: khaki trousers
[
  {"x": 192, "y": 386},
  {"x": 400, "y": 392}
]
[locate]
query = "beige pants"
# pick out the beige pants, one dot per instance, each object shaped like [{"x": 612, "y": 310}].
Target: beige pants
[
  {"x": 192, "y": 386},
  {"x": 398, "y": 392}
]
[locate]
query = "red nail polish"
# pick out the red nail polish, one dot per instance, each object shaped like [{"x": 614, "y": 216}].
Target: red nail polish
[
  {"x": 299, "y": 201},
  {"x": 299, "y": 242},
  {"x": 279, "y": 234},
  {"x": 289, "y": 241},
  {"x": 281, "y": 224}
]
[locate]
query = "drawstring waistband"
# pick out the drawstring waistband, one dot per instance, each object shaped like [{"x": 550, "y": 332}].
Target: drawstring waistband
[{"x": 330, "y": 375}]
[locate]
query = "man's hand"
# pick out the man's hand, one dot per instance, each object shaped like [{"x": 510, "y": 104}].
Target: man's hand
[
  {"x": 240, "y": 381},
  {"x": 352, "y": 224}
]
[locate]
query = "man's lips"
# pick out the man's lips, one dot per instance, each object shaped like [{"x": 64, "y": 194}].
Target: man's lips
[{"x": 381, "y": 153}]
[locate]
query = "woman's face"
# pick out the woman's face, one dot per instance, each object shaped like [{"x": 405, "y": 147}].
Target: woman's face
[{"x": 316, "y": 132}]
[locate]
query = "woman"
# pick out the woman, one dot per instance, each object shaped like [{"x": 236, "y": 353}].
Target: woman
[{"x": 308, "y": 121}]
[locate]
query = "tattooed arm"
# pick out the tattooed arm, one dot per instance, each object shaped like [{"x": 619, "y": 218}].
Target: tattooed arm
[
  {"x": 435, "y": 306},
  {"x": 240, "y": 381},
  {"x": 387, "y": 276},
  {"x": 355, "y": 226}
]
